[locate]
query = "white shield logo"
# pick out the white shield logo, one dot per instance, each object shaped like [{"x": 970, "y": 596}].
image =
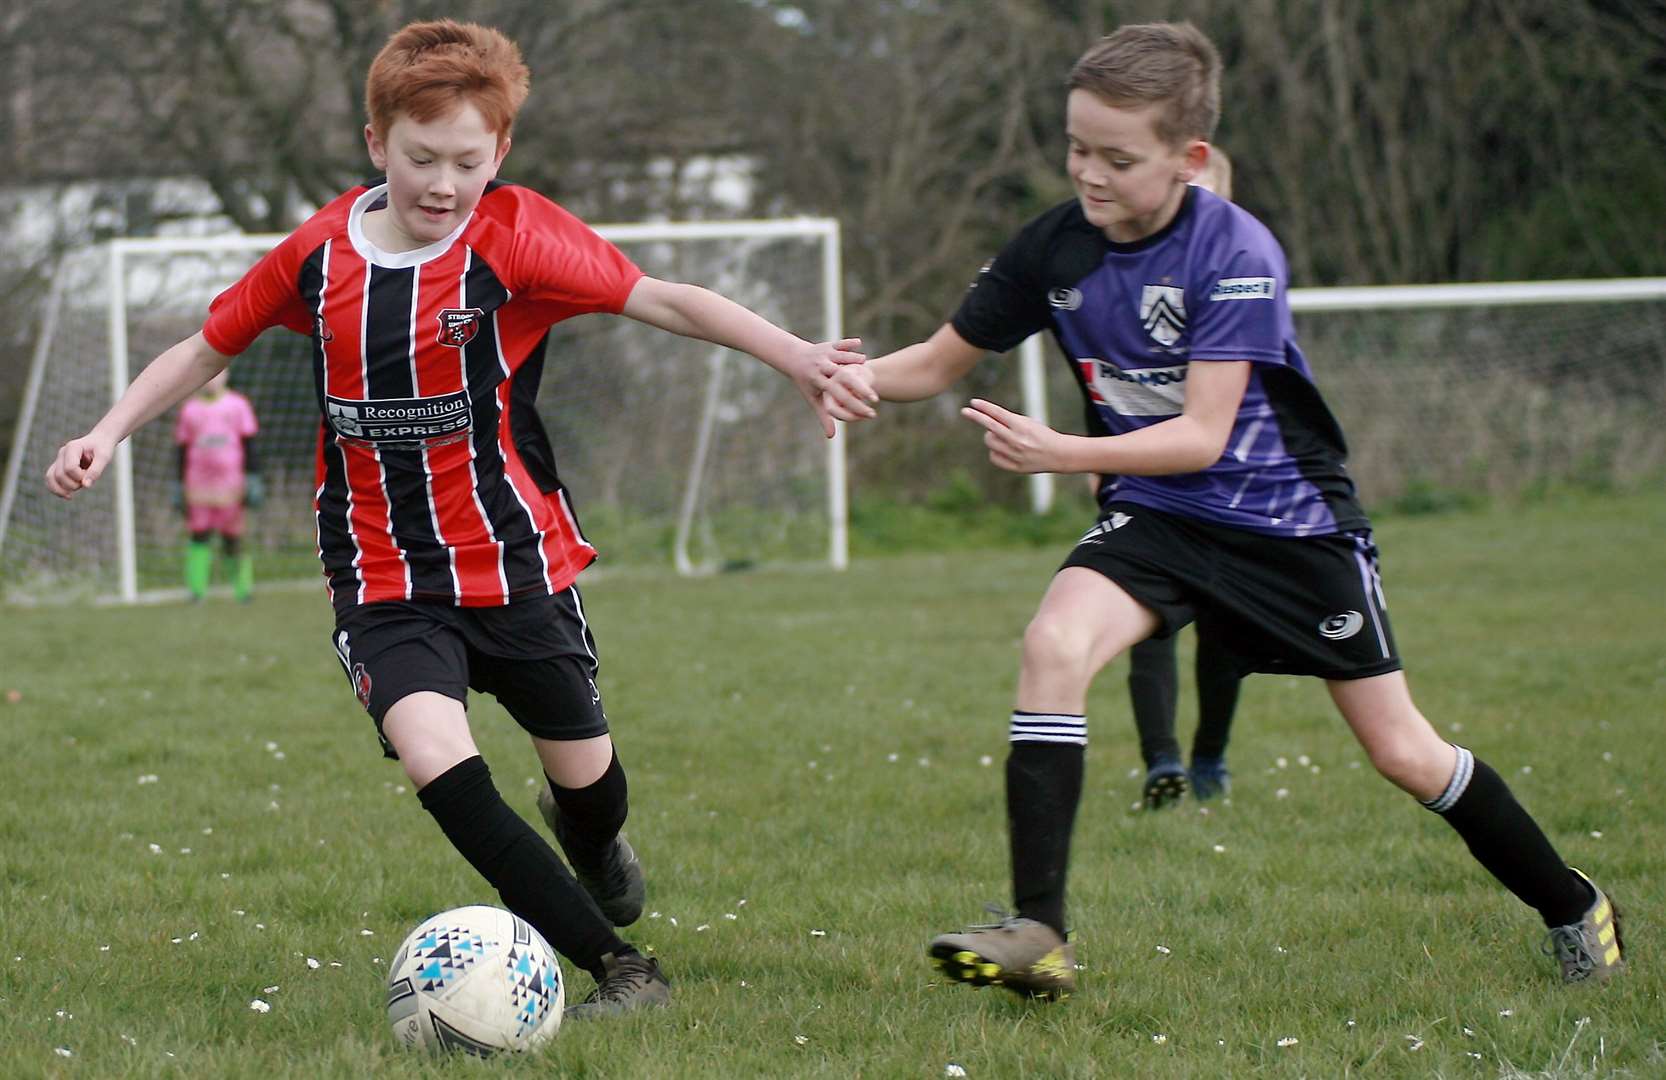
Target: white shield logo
[{"x": 1163, "y": 312}]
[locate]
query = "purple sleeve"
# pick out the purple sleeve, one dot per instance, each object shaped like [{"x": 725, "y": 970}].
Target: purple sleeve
[{"x": 1245, "y": 314}]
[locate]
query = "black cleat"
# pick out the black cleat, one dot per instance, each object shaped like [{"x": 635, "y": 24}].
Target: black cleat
[
  {"x": 616, "y": 883},
  {"x": 630, "y": 982},
  {"x": 1209, "y": 778},
  {"x": 1165, "y": 784}
]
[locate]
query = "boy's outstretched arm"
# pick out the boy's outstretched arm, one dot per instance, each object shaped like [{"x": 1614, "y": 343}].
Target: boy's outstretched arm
[
  {"x": 1190, "y": 442},
  {"x": 695, "y": 312},
  {"x": 164, "y": 383},
  {"x": 923, "y": 370}
]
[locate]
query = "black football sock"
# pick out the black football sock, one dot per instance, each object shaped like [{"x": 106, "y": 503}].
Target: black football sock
[
  {"x": 1504, "y": 838},
  {"x": 592, "y": 816},
  {"x": 518, "y": 863},
  {"x": 1218, "y": 681},
  {"x": 1044, "y": 786},
  {"x": 1154, "y": 689}
]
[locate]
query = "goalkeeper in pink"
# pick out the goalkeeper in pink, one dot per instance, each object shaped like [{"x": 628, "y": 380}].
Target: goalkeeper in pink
[{"x": 218, "y": 477}]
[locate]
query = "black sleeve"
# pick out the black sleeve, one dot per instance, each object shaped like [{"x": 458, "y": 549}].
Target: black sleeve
[
  {"x": 1007, "y": 303},
  {"x": 251, "y": 459}
]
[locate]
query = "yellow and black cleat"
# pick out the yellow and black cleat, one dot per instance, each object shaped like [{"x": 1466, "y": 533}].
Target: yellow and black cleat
[
  {"x": 1026, "y": 957},
  {"x": 1590, "y": 950}
]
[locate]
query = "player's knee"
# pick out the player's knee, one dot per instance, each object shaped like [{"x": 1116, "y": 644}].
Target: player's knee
[
  {"x": 1413, "y": 765},
  {"x": 1052, "y": 644},
  {"x": 1393, "y": 759},
  {"x": 430, "y": 734}
]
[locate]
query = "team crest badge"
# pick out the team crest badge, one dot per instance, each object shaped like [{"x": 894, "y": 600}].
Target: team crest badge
[
  {"x": 1163, "y": 312},
  {"x": 361, "y": 684},
  {"x": 459, "y": 325}
]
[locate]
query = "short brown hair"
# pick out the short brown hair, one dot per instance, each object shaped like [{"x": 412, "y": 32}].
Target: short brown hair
[
  {"x": 1172, "y": 64},
  {"x": 429, "y": 69}
]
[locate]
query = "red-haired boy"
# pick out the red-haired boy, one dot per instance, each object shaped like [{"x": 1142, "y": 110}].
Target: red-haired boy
[{"x": 448, "y": 542}]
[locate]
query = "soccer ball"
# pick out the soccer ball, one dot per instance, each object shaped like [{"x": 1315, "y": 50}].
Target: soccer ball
[{"x": 477, "y": 979}]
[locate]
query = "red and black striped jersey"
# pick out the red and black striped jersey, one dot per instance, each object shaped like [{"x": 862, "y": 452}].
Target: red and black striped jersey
[{"x": 435, "y": 480}]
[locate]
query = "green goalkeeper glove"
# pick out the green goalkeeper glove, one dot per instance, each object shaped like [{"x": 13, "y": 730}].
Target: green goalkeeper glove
[{"x": 254, "y": 491}]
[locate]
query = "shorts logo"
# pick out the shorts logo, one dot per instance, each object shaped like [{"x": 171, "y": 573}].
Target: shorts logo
[
  {"x": 1341, "y": 627},
  {"x": 1163, "y": 312},
  {"x": 459, "y": 325},
  {"x": 1100, "y": 530},
  {"x": 361, "y": 684},
  {"x": 1065, "y": 298},
  {"x": 595, "y": 694},
  {"x": 321, "y": 329}
]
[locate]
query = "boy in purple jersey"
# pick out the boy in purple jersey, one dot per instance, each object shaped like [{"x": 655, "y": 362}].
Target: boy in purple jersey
[{"x": 1232, "y": 507}]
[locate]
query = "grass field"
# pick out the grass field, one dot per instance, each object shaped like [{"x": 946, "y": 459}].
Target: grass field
[{"x": 193, "y": 813}]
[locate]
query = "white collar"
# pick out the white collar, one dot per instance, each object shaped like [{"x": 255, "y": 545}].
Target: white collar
[{"x": 393, "y": 260}]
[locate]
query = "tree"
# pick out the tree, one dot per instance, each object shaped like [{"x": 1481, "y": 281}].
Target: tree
[{"x": 1383, "y": 140}]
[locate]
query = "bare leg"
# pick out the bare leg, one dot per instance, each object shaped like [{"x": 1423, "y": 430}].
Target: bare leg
[
  {"x": 430, "y": 733},
  {"x": 575, "y": 763},
  {"x": 1465, "y": 791},
  {"x": 1402, "y": 745},
  {"x": 1084, "y": 621}
]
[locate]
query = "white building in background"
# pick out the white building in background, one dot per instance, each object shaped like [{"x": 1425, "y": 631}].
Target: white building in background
[{"x": 38, "y": 219}]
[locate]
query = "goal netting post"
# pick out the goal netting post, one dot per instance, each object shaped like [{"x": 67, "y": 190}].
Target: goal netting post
[
  {"x": 1448, "y": 392},
  {"x": 676, "y": 452}
]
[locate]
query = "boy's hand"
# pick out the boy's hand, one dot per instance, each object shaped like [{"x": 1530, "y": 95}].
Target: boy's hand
[
  {"x": 814, "y": 377},
  {"x": 851, "y": 381},
  {"x": 1016, "y": 443},
  {"x": 79, "y": 463}
]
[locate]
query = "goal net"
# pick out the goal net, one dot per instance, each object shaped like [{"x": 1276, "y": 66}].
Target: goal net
[
  {"x": 676, "y": 452},
  {"x": 1448, "y": 392}
]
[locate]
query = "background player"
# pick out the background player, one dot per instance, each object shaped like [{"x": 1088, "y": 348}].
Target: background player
[
  {"x": 219, "y": 476},
  {"x": 1233, "y": 507},
  {"x": 1153, "y": 673},
  {"x": 449, "y": 545}
]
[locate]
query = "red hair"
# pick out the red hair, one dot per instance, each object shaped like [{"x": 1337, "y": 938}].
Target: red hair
[{"x": 430, "y": 69}]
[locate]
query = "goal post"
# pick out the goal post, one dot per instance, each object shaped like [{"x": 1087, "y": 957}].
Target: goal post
[
  {"x": 1487, "y": 388},
  {"x": 676, "y": 454}
]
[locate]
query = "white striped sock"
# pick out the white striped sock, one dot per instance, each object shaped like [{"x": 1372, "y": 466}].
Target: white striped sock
[
  {"x": 1048, "y": 728},
  {"x": 1455, "y": 788}
]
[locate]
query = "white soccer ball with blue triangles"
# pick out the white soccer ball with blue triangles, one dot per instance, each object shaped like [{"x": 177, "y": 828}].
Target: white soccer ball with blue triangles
[{"x": 477, "y": 979}]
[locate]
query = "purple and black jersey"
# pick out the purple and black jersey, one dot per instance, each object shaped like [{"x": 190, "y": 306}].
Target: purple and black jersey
[{"x": 1132, "y": 317}]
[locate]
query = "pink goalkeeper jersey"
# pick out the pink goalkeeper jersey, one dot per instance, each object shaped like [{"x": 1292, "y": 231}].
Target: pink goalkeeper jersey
[{"x": 212, "y": 433}]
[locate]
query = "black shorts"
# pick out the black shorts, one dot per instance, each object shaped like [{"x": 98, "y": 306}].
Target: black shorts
[
  {"x": 1310, "y": 605},
  {"x": 537, "y": 657}
]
